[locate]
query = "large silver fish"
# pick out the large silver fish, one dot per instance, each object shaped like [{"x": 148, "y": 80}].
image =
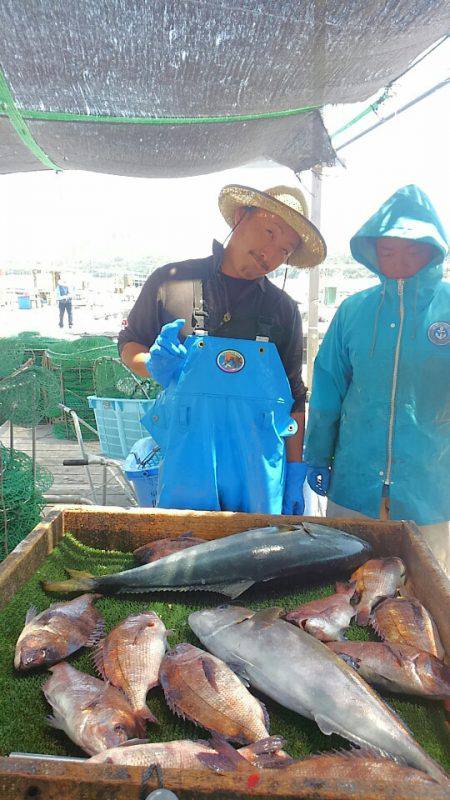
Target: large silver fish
[
  {"x": 231, "y": 565},
  {"x": 302, "y": 674}
]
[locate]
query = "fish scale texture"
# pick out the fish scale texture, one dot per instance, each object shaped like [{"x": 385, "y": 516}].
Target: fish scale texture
[{"x": 26, "y": 729}]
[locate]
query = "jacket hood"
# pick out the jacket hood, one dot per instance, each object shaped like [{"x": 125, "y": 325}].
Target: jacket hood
[{"x": 407, "y": 214}]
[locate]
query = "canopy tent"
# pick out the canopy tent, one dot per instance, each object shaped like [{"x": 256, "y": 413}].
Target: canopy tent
[{"x": 167, "y": 88}]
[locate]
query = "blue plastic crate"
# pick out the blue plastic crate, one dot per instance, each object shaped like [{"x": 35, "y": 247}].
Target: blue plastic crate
[{"x": 119, "y": 423}]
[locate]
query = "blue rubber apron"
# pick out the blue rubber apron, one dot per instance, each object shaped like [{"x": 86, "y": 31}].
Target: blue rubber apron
[{"x": 221, "y": 428}]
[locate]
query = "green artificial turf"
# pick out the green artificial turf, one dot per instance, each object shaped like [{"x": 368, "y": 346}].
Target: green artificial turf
[{"x": 23, "y": 708}]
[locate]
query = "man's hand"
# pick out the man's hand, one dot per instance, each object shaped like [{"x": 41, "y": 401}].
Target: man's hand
[
  {"x": 319, "y": 479},
  {"x": 167, "y": 355},
  {"x": 293, "y": 501}
]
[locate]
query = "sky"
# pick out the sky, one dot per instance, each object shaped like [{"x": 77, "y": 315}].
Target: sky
[{"x": 48, "y": 219}]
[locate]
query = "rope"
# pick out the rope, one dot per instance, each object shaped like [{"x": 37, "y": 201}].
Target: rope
[{"x": 395, "y": 113}]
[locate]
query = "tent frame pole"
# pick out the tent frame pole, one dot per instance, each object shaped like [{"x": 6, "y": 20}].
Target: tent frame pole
[{"x": 313, "y": 294}]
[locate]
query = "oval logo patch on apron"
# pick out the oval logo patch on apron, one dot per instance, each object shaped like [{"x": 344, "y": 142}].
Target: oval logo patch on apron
[
  {"x": 439, "y": 333},
  {"x": 230, "y": 361}
]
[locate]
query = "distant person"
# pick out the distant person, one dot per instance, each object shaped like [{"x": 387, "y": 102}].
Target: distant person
[
  {"x": 64, "y": 300},
  {"x": 378, "y": 434}
]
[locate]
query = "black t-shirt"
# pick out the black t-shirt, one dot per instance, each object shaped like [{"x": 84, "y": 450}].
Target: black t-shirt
[{"x": 234, "y": 308}]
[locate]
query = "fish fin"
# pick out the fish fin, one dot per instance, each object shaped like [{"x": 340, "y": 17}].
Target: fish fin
[
  {"x": 231, "y": 590},
  {"x": 365, "y": 750},
  {"x": 133, "y": 742},
  {"x": 305, "y": 526},
  {"x": 326, "y": 725},
  {"x": 54, "y": 722},
  {"x": 361, "y": 752},
  {"x": 31, "y": 614},
  {"x": 209, "y": 670},
  {"x": 146, "y": 715},
  {"x": 97, "y": 634},
  {"x": 78, "y": 573},
  {"x": 97, "y": 658},
  {"x": 373, "y": 624},
  {"x": 172, "y": 695},
  {"x": 268, "y": 745},
  {"x": 216, "y": 763},
  {"x": 79, "y": 581},
  {"x": 267, "y": 616},
  {"x": 239, "y": 671},
  {"x": 273, "y": 760},
  {"x": 224, "y": 759},
  {"x": 267, "y": 753},
  {"x": 352, "y": 661}
]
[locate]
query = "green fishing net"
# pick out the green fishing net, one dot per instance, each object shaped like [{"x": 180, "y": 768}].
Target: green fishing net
[
  {"x": 113, "y": 379},
  {"x": 29, "y": 396},
  {"x": 35, "y": 345},
  {"x": 80, "y": 353},
  {"x": 12, "y": 355},
  {"x": 73, "y": 362},
  {"x": 21, "y": 496}
]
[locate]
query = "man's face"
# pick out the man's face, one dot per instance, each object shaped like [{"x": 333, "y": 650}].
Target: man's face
[
  {"x": 402, "y": 258},
  {"x": 261, "y": 242}
]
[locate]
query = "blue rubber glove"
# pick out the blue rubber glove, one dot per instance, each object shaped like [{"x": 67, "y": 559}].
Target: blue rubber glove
[
  {"x": 293, "y": 501},
  {"x": 167, "y": 355},
  {"x": 319, "y": 479}
]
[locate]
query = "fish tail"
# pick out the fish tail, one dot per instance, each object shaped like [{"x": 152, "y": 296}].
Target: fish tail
[
  {"x": 79, "y": 582},
  {"x": 267, "y": 753},
  {"x": 145, "y": 715}
]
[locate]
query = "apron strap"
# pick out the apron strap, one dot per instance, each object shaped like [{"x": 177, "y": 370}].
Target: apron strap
[
  {"x": 264, "y": 328},
  {"x": 199, "y": 313}
]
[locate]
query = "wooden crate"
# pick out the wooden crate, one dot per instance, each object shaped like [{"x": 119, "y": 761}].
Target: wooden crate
[{"x": 116, "y": 529}]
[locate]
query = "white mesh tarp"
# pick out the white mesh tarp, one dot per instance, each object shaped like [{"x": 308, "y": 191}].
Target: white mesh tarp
[{"x": 160, "y": 59}]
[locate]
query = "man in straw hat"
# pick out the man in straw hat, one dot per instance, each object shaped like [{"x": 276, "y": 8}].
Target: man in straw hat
[{"x": 226, "y": 345}]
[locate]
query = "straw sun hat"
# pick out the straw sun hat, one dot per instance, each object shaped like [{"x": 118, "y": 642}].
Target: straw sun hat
[{"x": 289, "y": 204}]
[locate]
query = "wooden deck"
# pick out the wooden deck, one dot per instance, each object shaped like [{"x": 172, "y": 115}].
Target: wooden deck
[{"x": 68, "y": 481}]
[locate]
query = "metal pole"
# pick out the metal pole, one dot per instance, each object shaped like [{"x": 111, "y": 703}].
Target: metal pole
[
  {"x": 11, "y": 435},
  {"x": 313, "y": 307}
]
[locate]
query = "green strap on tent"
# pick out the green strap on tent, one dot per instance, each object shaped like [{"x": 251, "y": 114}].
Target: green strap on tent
[
  {"x": 57, "y": 116},
  {"x": 372, "y": 107},
  {"x": 16, "y": 119}
]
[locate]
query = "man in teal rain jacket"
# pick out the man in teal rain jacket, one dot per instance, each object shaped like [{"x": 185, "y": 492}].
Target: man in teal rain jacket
[{"x": 379, "y": 420}]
